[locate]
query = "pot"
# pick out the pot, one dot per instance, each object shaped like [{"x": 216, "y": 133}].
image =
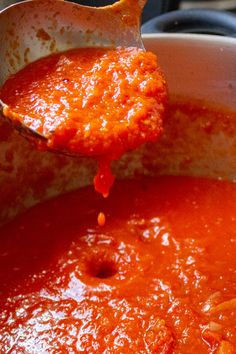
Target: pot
[{"x": 198, "y": 68}]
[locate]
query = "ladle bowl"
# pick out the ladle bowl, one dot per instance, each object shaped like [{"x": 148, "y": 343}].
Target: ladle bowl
[{"x": 32, "y": 29}]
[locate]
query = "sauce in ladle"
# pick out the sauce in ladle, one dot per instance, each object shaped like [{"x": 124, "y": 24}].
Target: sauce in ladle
[{"x": 97, "y": 102}]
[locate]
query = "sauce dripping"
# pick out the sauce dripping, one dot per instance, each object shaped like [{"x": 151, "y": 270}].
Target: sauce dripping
[{"x": 98, "y": 102}]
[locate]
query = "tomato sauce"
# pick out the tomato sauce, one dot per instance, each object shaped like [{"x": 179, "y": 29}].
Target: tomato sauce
[
  {"x": 97, "y": 102},
  {"x": 158, "y": 277}
]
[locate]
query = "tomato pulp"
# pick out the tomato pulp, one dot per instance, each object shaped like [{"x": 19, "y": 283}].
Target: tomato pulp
[
  {"x": 91, "y": 101},
  {"x": 159, "y": 277}
]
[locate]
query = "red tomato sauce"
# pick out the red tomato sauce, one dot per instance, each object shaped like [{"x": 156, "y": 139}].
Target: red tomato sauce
[
  {"x": 91, "y": 101},
  {"x": 159, "y": 277}
]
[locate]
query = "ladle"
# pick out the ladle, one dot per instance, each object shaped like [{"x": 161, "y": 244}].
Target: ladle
[{"x": 34, "y": 29}]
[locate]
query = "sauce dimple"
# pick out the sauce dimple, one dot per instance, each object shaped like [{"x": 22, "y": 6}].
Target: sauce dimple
[
  {"x": 97, "y": 102},
  {"x": 159, "y": 277}
]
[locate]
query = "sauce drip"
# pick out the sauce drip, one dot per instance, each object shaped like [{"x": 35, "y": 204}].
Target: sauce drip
[
  {"x": 159, "y": 277},
  {"x": 97, "y": 102},
  {"x": 101, "y": 219}
]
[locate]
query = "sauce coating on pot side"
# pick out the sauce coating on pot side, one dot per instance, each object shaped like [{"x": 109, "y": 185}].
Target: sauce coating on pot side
[
  {"x": 97, "y": 102},
  {"x": 159, "y": 277}
]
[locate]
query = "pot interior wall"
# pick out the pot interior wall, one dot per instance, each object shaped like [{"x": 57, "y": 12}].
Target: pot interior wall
[
  {"x": 195, "y": 142},
  {"x": 198, "y": 66}
]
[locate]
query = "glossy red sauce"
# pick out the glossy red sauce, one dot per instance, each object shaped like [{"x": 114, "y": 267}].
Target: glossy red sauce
[
  {"x": 159, "y": 277},
  {"x": 91, "y": 101}
]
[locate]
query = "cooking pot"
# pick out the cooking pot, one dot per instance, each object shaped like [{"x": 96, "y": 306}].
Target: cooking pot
[{"x": 198, "y": 68}]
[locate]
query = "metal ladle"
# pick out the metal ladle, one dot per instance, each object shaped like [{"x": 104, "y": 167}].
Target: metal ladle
[{"x": 34, "y": 29}]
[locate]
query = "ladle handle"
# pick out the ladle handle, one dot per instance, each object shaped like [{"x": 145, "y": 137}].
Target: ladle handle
[
  {"x": 124, "y": 22},
  {"x": 131, "y": 7}
]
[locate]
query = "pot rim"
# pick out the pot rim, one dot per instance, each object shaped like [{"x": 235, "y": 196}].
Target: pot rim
[{"x": 191, "y": 37}]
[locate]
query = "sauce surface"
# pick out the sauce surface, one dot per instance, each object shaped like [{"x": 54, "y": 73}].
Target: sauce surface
[
  {"x": 159, "y": 277},
  {"x": 91, "y": 101}
]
